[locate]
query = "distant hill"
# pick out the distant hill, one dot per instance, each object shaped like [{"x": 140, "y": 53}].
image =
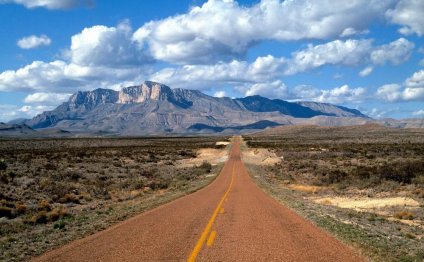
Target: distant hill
[
  {"x": 153, "y": 108},
  {"x": 15, "y": 129}
]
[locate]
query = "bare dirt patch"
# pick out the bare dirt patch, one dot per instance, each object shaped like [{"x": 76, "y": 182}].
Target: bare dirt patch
[
  {"x": 210, "y": 155},
  {"x": 260, "y": 156},
  {"x": 367, "y": 204}
]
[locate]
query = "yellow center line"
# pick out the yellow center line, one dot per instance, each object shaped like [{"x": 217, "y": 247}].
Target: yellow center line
[
  {"x": 208, "y": 227},
  {"x": 211, "y": 238}
]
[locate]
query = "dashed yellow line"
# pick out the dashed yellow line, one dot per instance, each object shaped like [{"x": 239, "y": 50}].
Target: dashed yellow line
[
  {"x": 211, "y": 238},
  {"x": 208, "y": 227}
]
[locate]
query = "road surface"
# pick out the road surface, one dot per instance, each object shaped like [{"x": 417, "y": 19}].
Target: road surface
[{"x": 229, "y": 220}]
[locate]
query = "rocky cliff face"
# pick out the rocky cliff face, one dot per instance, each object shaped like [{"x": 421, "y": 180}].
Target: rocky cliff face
[{"x": 153, "y": 108}]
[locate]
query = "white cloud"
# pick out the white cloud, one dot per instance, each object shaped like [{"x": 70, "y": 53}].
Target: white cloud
[
  {"x": 219, "y": 94},
  {"x": 409, "y": 14},
  {"x": 413, "y": 89},
  {"x": 349, "y": 52},
  {"x": 34, "y": 41},
  {"x": 223, "y": 30},
  {"x": 395, "y": 52},
  {"x": 234, "y": 72},
  {"x": 59, "y": 77},
  {"x": 366, "y": 71},
  {"x": 10, "y": 112},
  {"x": 336, "y": 95},
  {"x": 31, "y": 111},
  {"x": 352, "y": 31},
  {"x": 418, "y": 112},
  {"x": 46, "y": 98},
  {"x": 275, "y": 89},
  {"x": 377, "y": 113},
  {"x": 390, "y": 92},
  {"x": 50, "y": 4},
  {"x": 269, "y": 68},
  {"x": 99, "y": 56},
  {"x": 106, "y": 46},
  {"x": 340, "y": 95}
]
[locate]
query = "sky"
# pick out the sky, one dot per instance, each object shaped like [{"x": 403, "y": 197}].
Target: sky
[{"x": 363, "y": 54}]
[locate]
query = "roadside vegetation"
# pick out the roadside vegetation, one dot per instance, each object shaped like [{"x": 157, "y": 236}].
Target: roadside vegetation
[
  {"x": 366, "y": 186},
  {"x": 53, "y": 191}
]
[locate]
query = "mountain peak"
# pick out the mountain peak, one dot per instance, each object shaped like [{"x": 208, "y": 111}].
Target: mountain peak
[{"x": 146, "y": 91}]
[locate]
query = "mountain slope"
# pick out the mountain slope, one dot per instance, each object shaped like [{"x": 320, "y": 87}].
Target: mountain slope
[{"x": 154, "y": 108}]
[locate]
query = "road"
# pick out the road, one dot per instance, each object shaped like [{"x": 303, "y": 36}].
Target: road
[{"x": 229, "y": 220}]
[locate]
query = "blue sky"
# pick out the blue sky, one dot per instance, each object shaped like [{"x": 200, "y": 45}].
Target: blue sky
[{"x": 363, "y": 54}]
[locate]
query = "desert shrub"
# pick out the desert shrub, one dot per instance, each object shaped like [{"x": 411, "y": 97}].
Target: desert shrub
[
  {"x": 59, "y": 224},
  {"x": 7, "y": 212},
  {"x": 206, "y": 166},
  {"x": 43, "y": 205},
  {"x": 40, "y": 218},
  {"x": 404, "y": 215},
  {"x": 3, "y": 165},
  {"x": 50, "y": 166},
  {"x": 4, "y": 178},
  {"x": 70, "y": 198},
  {"x": 161, "y": 184},
  {"x": 20, "y": 207},
  {"x": 336, "y": 176}
]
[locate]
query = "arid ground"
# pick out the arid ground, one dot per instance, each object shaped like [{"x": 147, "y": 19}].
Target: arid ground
[
  {"x": 363, "y": 184},
  {"x": 53, "y": 191}
]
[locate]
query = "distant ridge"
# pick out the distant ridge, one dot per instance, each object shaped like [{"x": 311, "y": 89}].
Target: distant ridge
[{"x": 153, "y": 109}]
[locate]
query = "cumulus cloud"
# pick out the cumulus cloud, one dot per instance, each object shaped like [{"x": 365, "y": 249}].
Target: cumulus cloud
[
  {"x": 275, "y": 89},
  {"x": 409, "y": 14},
  {"x": 336, "y": 95},
  {"x": 234, "y": 72},
  {"x": 349, "y": 52},
  {"x": 46, "y": 98},
  {"x": 366, "y": 71},
  {"x": 396, "y": 52},
  {"x": 267, "y": 69},
  {"x": 9, "y": 112},
  {"x": 107, "y": 46},
  {"x": 34, "y": 41},
  {"x": 99, "y": 56},
  {"x": 412, "y": 90},
  {"x": 223, "y": 30},
  {"x": 219, "y": 94},
  {"x": 30, "y": 111},
  {"x": 59, "y": 76},
  {"x": 390, "y": 92},
  {"x": 50, "y": 4},
  {"x": 418, "y": 112}
]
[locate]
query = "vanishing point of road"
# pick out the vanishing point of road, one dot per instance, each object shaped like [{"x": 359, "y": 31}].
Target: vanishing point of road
[{"x": 229, "y": 220}]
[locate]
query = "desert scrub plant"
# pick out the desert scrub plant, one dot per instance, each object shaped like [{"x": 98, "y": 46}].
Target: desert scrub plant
[
  {"x": 43, "y": 205},
  {"x": 206, "y": 166},
  {"x": 39, "y": 218},
  {"x": 3, "y": 165},
  {"x": 7, "y": 212},
  {"x": 404, "y": 215}
]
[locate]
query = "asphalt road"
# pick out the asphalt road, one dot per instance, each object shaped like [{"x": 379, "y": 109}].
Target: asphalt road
[{"x": 229, "y": 220}]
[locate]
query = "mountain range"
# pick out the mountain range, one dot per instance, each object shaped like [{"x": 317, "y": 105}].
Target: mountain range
[{"x": 154, "y": 109}]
